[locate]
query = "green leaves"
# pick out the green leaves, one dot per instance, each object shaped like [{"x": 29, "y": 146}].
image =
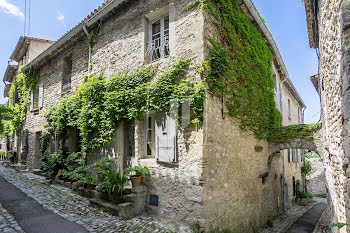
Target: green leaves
[
  {"x": 99, "y": 104},
  {"x": 238, "y": 67}
]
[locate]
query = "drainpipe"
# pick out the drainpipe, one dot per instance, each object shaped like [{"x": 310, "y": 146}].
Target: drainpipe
[
  {"x": 283, "y": 159},
  {"x": 90, "y": 49}
]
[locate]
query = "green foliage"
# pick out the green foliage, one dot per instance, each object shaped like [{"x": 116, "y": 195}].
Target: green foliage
[
  {"x": 269, "y": 223},
  {"x": 5, "y": 117},
  {"x": 99, "y": 104},
  {"x": 50, "y": 165},
  {"x": 138, "y": 171},
  {"x": 286, "y": 133},
  {"x": 320, "y": 195},
  {"x": 26, "y": 82},
  {"x": 238, "y": 68},
  {"x": 300, "y": 193},
  {"x": 306, "y": 168},
  {"x": 112, "y": 180},
  {"x": 340, "y": 225},
  {"x": 88, "y": 179}
]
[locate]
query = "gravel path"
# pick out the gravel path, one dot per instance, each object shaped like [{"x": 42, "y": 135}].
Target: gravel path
[{"x": 69, "y": 205}]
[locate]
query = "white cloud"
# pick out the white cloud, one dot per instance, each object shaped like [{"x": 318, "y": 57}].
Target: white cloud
[
  {"x": 10, "y": 9},
  {"x": 60, "y": 16}
]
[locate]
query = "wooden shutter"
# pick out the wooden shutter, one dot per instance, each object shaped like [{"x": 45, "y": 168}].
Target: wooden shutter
[
  {"x": 288, "y": 155},
  {"x": 41, "y": 94},
  {"x": 32, "y": 101},
  {"x": 165, "y": 132}
]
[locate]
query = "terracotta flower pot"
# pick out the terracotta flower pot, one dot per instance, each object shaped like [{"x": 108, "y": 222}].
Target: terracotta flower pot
[
  {"x": 65, "y": 179},
  {"x": 60, "y": 178},
  {"x": 116, "y": 192},
  {"x": 136, "y": 180},
  {"x": 91, "y": 186}
]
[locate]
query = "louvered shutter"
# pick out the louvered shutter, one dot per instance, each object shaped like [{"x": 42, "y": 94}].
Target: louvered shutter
[
  {"x": 297, "y": 151},
  {"x": 41, "y": 94},
  {"x": 32, "y": 101},
  {"x": 165, "y": 132}
]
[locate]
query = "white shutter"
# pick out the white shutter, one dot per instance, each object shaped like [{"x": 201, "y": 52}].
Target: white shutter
[
  {"x": 41, "y": 94},
  {"x": 165, "y": 132},
  {"x": 32, "y": 101}
]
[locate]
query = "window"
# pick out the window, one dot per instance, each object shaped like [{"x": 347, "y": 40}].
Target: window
[
  {"x": 149, "y": 135},
  {"x": 160, "y": 137},
  {"x": 293, "y": 155},
  {"x": 275, "y": 81},
  {"x": 289, "y": 110},
  {"x": 159, "y": 44},
  {"x": 67, "y": 74},
  {"x": 36, "y": 97}
]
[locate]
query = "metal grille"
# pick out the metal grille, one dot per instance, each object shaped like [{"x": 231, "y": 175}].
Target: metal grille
[{"x": 159, "y": 45}]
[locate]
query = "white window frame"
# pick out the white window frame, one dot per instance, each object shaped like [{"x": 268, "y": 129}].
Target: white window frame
[
  {"x": 162, "y": 36},
  {"x": 289, "y": 110},
  {"x": 152, "y": 129}
]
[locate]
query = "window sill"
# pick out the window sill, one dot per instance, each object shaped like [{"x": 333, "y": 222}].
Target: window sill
[
  {"x": 150, "y": 163},
  {"x": 157, "y": 62},
  {"x": 66, "y": 92},
  {"x": 35, "y": 111}
]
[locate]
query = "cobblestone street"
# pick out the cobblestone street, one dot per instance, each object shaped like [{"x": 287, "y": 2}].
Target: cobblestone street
[{"x": 65, "y": 203}]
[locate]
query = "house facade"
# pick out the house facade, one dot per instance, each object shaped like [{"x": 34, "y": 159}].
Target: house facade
[
  {"x": 214, "y": 173},
  {"x": 328, "y": 31}
]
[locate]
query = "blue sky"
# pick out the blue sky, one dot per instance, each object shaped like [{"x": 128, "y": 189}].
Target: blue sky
[{"x": 285, "y": 19}]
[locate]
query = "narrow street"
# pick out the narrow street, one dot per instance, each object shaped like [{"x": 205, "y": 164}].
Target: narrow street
[{"x": 27, "y": 201}]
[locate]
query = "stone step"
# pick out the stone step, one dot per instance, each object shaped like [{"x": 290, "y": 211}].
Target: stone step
[
  {"x": 130, "y": 197},
  {"x": 105, "y": 206}
]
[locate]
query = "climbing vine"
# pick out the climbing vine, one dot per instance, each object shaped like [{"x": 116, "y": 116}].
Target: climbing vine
[
  {"x": 19, "y": 98},
  {"x": 286, "y": 133},
  {"x": 99, "y": 103},
  {"x": 238, "y": 68}
]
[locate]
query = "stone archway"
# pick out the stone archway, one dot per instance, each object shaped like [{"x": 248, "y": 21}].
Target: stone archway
[{"x": 313, "y": 144}]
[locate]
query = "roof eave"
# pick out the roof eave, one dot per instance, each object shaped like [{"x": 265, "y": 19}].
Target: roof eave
[
  {"x": 74, "y": 31},
  {"x": 10, "y": 73}
]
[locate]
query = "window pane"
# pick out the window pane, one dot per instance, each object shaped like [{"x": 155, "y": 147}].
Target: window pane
[
  {"x": 166, "y": 36},
  {"x": 155, "y": 28},
  {"x": 166, "y": 23},
  {"x": 149, "y": 122}
]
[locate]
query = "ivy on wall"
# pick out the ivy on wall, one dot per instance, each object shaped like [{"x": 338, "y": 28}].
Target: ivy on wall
[
  {"x": 20, "y": 100},
  {"x": 238, "y": 67},
  {"x": 287, "y": 133},
  {"x": 99, "y": 104}
]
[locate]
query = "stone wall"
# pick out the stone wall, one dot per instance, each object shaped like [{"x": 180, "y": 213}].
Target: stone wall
[
  {"x": 121, "y": 47},
  {"x": 317, "y": 183},
  {"x": 333, "y": 86}
]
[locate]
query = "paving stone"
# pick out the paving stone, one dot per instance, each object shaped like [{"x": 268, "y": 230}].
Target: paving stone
[{"x": 69, "y": 205}]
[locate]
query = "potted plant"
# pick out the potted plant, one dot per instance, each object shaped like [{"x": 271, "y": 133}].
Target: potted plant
[
  {"x": 113, "y": 183},
  {"x": 90, "y": 182},
  {"x": 59, "y": 176},
  {"x": 136, "y": 174}
]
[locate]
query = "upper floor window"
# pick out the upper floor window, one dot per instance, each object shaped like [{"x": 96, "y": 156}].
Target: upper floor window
[
  {"x": 67, "y": 74},
  {"x": 289, "y": 110},
  {"x": 275, "y": 81},
  {"x": 159, "y": 44}
]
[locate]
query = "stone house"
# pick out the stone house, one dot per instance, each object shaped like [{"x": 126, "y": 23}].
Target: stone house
[
  {"x": 328, "y": 31},
  {"x": 27, "y": 48},
  {"x": 216, "y": 174}
]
